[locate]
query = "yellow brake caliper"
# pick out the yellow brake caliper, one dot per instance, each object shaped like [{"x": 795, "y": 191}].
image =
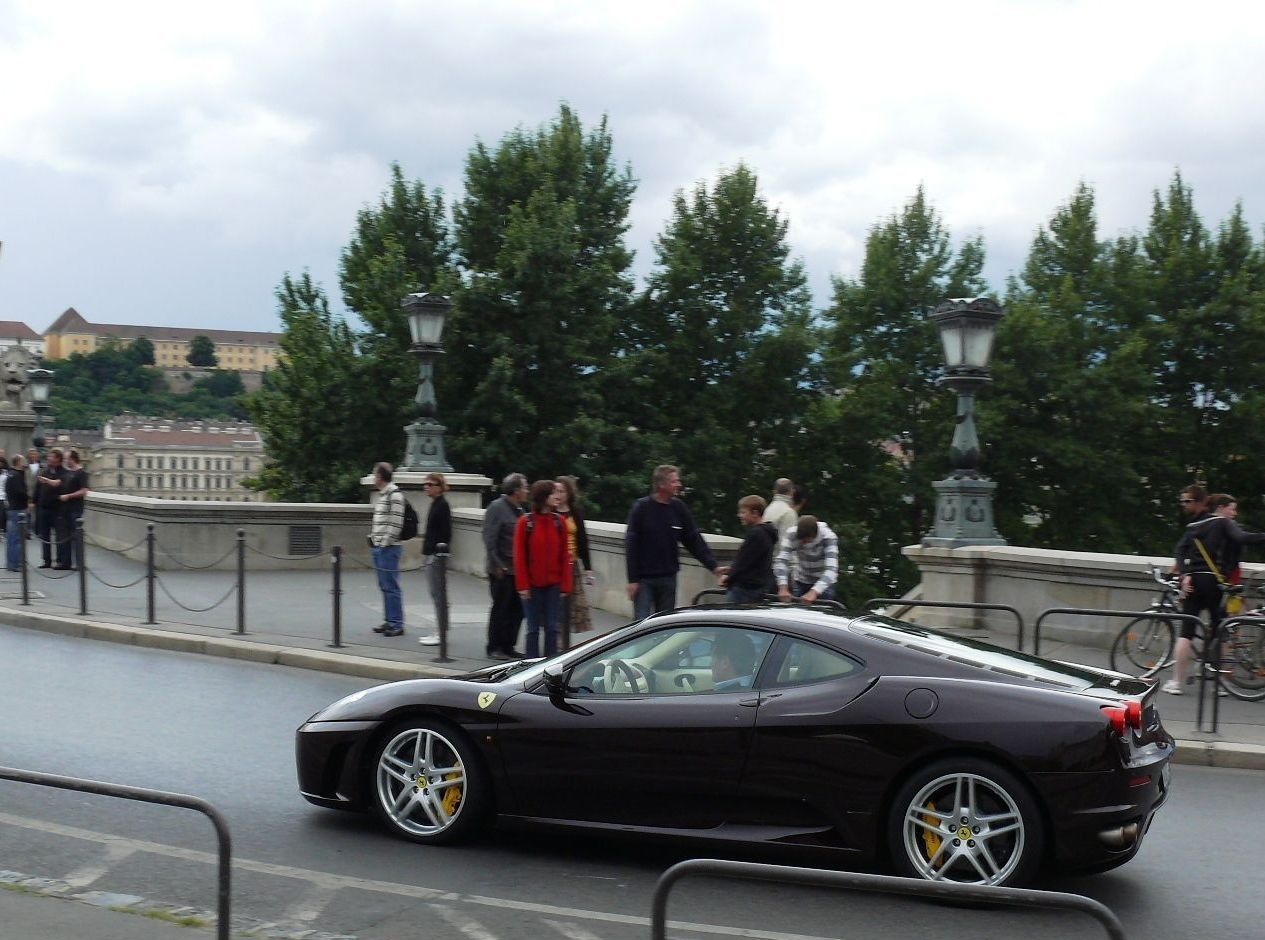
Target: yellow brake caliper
[
  {"x": 452, "y": 796},
  {"x": 929, "y": 838}
]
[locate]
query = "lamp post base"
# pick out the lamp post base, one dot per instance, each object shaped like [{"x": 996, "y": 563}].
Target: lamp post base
[
  {"x": 425, "y": 450},
  {"x": 964, "y": 514}
]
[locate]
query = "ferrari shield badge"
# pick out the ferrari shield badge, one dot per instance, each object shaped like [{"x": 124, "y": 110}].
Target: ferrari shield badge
[{"x": 486, "y": 699}]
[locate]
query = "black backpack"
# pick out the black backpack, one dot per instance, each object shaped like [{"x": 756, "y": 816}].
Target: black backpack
[{"x": 409, "y": 529}]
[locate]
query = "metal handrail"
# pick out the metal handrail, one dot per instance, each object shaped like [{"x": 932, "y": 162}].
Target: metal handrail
[
  {"x": 1121, "y": 614},
  {"x": 146, "y": 795},
  {"x": 887, "y": 884},
  {"x": 885, "y": 601}
]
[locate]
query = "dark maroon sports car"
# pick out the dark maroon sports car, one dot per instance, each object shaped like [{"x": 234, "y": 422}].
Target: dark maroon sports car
[{"x": 940, "y": 757}]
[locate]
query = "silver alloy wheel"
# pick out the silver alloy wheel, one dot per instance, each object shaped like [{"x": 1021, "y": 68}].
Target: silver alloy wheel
[
  {"x": 421, "y": 782},
  {"x": 964, "y": 828}
]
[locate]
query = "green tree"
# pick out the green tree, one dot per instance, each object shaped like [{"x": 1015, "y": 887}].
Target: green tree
[
  {"x": 399, "y": 247},
  {"x": 1061, "y": 423},
  {"x": 877, "y": 434},
  {"x": 721, "y": 345},
  {"x": 142, "y": 351},
  {"x": 527, "y": 383},
  {"x": 308, "y": 409},
  {"x": 202, "y": 352}
]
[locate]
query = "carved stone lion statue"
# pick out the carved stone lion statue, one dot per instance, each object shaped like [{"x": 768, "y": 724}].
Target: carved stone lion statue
[{"x": 13, "y": 368}]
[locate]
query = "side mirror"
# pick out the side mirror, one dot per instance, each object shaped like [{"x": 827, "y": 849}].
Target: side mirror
[{"x": 556, "y": 680}]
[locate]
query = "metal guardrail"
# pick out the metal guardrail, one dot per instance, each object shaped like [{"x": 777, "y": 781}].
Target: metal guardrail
[
  {"x": 886, "y": 884},
  {"x": 888, "y": 601},
  {"x": 768, "y": 599},
  {"x": 1133, "y": 614},
  {"x": 145, "y": 795}
]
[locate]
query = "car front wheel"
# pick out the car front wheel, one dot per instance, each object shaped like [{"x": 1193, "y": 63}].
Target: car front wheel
[
  {"x": 428, "y": 784},
  {"x": 966, "y": 821}
]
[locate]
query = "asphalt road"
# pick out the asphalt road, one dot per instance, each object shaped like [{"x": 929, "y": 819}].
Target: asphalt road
[{"x": 223, "y": 730}]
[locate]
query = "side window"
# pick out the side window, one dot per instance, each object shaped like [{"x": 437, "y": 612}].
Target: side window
[
  {"x": 807, "y": 662},
  {"x": 678, "y": 661}
]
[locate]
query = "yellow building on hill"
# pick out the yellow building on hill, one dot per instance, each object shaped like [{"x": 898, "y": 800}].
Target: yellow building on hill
[{"x": 237, "y": 350}]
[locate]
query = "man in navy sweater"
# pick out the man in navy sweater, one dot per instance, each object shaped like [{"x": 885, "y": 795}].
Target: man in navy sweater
[{"x": 657, "y": 524}]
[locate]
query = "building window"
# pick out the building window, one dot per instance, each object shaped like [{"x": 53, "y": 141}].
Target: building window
[
  {"x": 245, "y": 463},
  {"x": 120, "y": 481},
  {"x": 120, "y": 463}
]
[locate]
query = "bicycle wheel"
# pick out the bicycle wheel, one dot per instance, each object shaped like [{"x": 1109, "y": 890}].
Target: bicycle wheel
[
  {"x": 1143, "y": 647},
  {"x": 1243, "y": 662}
]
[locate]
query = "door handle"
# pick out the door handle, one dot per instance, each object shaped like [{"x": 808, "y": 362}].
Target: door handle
[{"x": 749, "y": 702}]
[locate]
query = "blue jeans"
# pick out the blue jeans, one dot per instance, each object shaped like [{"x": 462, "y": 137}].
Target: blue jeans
[
  {"x": 387, "y": 562},
  {"x": 799, "y": 589},
  {"x": 544, "y": 612},
  {"x": 13, "y": 541},
  {"x": 742, "y": 595},
  {"x": 658, "y": 593}
]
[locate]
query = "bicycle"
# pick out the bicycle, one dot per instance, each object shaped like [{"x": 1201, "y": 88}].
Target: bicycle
[{"x": 1144, "y": 646}]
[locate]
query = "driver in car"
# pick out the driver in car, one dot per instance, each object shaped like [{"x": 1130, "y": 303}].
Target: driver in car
[{"x": 733, "y": 662}]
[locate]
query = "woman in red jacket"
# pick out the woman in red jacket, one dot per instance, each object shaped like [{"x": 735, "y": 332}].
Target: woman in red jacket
[{"x": 542, "y": 567}]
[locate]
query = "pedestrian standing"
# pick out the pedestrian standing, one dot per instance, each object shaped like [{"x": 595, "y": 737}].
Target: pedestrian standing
[
  {"x": 576, "y": 614},
  {"x": 48, "y": 486},
  {"x": 657, "y": 524},
  {"x": 748, "y": 578},
  {"x": 438, "y": 532},
  {"x": 780, "y": 512},
  {"x": 17, "y": 500},
  {"x": 505, "y": 617},
  {"x": 384, "y": 540},
  {"x": 4, "y": 503},
  {"x": 542, "y": 567},
  {"x": 807, "y": 564},
  {"x": 75, "y": 492}
]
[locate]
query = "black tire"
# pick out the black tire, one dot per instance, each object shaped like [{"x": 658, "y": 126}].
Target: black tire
[
  {"x": 1243, "y": 662},
  {"x": 1001, "y": 843},
  {"x": 1144, "y": 646},
  {"x": 427, "y": 783}
]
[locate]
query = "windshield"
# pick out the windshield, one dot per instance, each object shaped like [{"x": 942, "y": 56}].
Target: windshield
[{"x": 974, "y": 652}]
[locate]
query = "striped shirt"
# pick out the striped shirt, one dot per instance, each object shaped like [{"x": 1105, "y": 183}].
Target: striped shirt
[
  {"x": 388, "y": 517},
  {"x": 816, "y": 562}
]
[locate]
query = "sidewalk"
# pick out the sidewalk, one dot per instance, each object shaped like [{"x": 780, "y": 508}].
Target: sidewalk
[{"x": 289, "y": 621}]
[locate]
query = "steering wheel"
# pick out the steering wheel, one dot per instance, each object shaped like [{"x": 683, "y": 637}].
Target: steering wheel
[{"x": 618, "y": 671}]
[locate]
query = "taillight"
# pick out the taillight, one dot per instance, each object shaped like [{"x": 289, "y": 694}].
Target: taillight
[{"x": 1124, "y": 716}]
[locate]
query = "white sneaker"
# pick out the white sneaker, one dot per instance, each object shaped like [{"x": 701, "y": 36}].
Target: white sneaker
[
  {"x": 1172, "y": 688},
  {"x": 1222, "y": 693},
  {"x": 431, "y": 640}
]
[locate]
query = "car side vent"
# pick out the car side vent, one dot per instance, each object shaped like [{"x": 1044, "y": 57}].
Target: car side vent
[{"x": 305, "y": 540}]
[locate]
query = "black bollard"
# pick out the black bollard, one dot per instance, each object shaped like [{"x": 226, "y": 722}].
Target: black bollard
[
  {"x": 77, "y": 547},
  {"x": 241, "y": 582},
  {"x": 336, "y": 563},
  {"x": 441, "y": 600},
  {"x": 149, "y": 572},
  {"x": 24, "y": 535}
]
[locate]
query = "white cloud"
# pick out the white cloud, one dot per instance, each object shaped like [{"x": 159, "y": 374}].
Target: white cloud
[{"x": 260, "y": 128}]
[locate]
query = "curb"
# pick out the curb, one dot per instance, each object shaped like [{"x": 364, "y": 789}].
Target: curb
[
  {"x": 347, "y": 664},
  {"x": 1196, "y": 753}
]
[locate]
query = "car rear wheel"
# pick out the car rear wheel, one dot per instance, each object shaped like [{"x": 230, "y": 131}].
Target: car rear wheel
[
  {"x": 428, "y": 784},
  {"x": 968, "y": 821}
]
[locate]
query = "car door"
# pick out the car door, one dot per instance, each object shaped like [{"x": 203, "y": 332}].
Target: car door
[
  {"x": 655, "y": 746},
  {"x": 810, "y": 763}
]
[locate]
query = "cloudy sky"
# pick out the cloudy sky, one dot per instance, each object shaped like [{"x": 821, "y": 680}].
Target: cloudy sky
[{"x": 167, "y": 162}]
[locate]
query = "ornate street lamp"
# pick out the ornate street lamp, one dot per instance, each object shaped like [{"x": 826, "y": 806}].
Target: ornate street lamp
[
  {"x": 40, "y": 382},
  {"x": 426, "y": 316},
  {"x": 964, "y": 499}
]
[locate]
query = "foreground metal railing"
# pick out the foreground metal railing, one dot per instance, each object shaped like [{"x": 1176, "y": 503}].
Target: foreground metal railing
[
  {"x": 886, "y": 884},
  {"x": 145, "y": 795}
]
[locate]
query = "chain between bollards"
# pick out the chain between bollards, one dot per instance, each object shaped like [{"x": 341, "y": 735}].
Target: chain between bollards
[
  {"x": 336, "y": 565},
  {"x": 24, "y": 534},
  {"x": 149, "y": 573},
  {"x": 440, "y": 585},
  {"x": 241, "y": 582}
]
